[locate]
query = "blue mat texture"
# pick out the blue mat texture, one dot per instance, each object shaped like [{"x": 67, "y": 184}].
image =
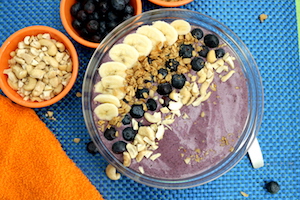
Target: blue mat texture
[{"x": 274, "y": 47}]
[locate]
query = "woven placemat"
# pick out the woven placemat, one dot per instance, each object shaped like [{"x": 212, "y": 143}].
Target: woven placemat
[{"x": 274, "y": 45}]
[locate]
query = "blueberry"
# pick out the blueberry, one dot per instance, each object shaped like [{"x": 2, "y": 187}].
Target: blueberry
[
  {"x": 89, "y": 7},
  {"x": 204, "y": 51},
  {"x": 126, "y": 120},
  {"x": 128, "y": 9},
  {"x": 129, "y": 134},
  {"x": 272, "y": 187},
  {"x": 211, "y": 40},
  {"x": 164, "y": 88},
  {"x": 92, "y": 26},
  {"x": 166, "y": 101},
  {"x": 220, "y": 53},
  {"x": 81, "y": 16},
  {"x": 172, "y": 64},
  {"x": 102, "y": 27},
  {"x": 110, "y": 133},
  {"x": 111, "y": 16},
  {"x": 197, "y": 33},
  {"x": 119, "y": 147},
  {"x": 96, "y": 38},
  {"x": 118, "y": 4},
  {"x": 126, "y": 1},
  {"x": 103, "y": 7},
  {"x": 127, "y": 16},
  {"x": 77, "y": 24},
  {"x": 141, "y": 92},
  {"x": 151, "y": 104},
  {"x": 91, "y": 148},
  {"x": 111, "y": 25},
  {"x": 197, "y": 63},
  {"x": 163, "y": 72},
  {"x": 186, "y": 50},
  {"x": 75, "y": 8},
  {"x": 84, "y": 33},
  {"x": 137, "y": 111},
  {"x": 178, "y": 81},
  {"x": 95, "y": 16}
]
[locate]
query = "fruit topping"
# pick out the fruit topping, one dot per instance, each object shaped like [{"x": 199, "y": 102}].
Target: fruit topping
[
  {"x": 142, "y": 93},
  {"x": 166, "y": 101},
  {"x": 220, "y": 53},
  {"x": 182, "y": 27},
  {"x": 137, "y": 111},
  {"x": 197, "y": 63},
  {"x": 164, "y": 88},
  {"x": 186, "y": 51},
  {"x": 178, "y": 80},
  {"x": 89, "y": 7},
  {"x": 169, "y": 31},
  {"x": 118, "y": 4},
  {"x": 126, "y": 120},
  {"x": 119, "y": 147},
  {"x": 110, "y": 133},
  {"x": 163, "y": 72},
  {"x": 204, "y": 51},
  {"x": 91, "y": 148},
  {"x": 272, "y": 187},
  {"x": 151, "y": 104},
  {"x": 211, "y": 40},
  {"x": 197, "y": 33},
  {"x": 75, "y": 8},
  {"x": 92, "y": 26},
  {"x": 129, "y": 134},
  {"x": 172, "y": 64}
]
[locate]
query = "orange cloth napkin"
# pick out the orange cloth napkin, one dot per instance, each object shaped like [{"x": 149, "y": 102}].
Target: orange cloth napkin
[{"x": 33, "y": 166}]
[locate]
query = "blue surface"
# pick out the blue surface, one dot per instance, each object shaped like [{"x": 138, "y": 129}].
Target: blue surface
[{"x": 274, "y": 47}]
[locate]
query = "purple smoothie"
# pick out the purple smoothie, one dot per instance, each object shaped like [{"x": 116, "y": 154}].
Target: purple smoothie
[{"x": 202, "y": 140}]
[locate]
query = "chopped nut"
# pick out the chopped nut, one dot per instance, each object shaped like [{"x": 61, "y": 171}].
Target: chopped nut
[
  {"x": 244, "y": 194},
  {"x": 78, "y": 94},
  {"x": 155, "y": 156},
  {"x": 263, "y": 17},
  {"x": 76, "y": 140},
  {"x": 141, "y": 169}
]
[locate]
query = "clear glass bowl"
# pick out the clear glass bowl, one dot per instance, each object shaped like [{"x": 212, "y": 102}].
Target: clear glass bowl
[{"x": 249, "y": 68}]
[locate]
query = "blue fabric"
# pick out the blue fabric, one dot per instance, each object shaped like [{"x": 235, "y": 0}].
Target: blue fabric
[{"x": 275, "y": 48}]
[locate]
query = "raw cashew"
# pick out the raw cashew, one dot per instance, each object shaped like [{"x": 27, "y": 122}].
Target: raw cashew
[
  {"x": 51, "y": 61},
  {"x": 54, "y": 81},
  {"x": 35, "y": 44},
  {"x": 30, "y": 85},
  {"x": 37, "y": 73},
  {"x": 19, "y": 71},
  {"x": 10, "y": 75},
  {"x": 58, "y": 89},
  {"x": 27, "y": 57},
  {"x": 39, "y": 88},
  {"x": 61, "y": 47},
  {"x": 111, "y": 172},
  {"x": 13, "y": 85},
  {"x": 52, "y": 49}
]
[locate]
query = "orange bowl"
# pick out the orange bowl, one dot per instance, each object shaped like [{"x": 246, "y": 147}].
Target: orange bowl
[
  {"x": 66, "y": 18},
  {"x": 11, "y": 44},
  {"x": 171, "y": 3}
]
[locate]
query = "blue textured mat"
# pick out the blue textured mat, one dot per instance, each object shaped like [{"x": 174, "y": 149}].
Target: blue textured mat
[{"x": 274, "y": 46}]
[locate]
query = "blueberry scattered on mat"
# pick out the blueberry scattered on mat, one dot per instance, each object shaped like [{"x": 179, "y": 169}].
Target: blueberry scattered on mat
[
  {"x": 91, "y": 148},
  {"x": 272, "y": 187}
]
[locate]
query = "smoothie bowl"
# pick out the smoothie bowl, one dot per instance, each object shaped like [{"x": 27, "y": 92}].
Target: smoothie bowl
[{"x": 172, "y": 98}]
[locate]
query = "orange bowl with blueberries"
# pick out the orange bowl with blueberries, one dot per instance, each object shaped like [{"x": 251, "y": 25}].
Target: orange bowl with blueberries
[{"x": 88, "y": 22}]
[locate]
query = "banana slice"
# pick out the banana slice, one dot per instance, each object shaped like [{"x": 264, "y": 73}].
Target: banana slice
[
  {"x": 168, "y": 30},
  {"x": 140, "y": 42},
  {"x": 114, "y": 81},
  {"x": 155, "y": 35},
  {"x": 106, "y": 111},
  {"x": 112, "y": 68},
  {"x": 125, "y": 54},
  {"x": 182, "y": 27},
  {"x": 108, "y": 98},
  {"x": 117, "y": 92}
]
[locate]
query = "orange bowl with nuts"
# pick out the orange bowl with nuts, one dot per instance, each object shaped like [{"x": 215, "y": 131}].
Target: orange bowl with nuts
[{"x": 39, "y": 66}]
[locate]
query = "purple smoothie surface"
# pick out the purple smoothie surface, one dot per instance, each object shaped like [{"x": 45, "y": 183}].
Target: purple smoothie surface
[{"x": 203, "y": 139}]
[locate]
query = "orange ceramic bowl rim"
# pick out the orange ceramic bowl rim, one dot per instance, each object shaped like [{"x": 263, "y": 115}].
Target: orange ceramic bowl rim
[
  {"x": 11, "y": 44},
  {"x": 66, "y": 19},
  {"x": 170, "y": 4}
]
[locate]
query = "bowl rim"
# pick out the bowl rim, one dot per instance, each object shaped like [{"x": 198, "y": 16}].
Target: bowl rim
[
  {"x": 27, "y": 31},
  {"x": 170, "y": 4},
  {"x": 252, "y": 127},
  {"x": 77, "y": 38}
]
